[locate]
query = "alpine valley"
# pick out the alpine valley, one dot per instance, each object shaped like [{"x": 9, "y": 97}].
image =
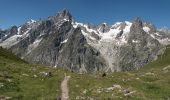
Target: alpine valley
[{"x": 58, "y": 58}]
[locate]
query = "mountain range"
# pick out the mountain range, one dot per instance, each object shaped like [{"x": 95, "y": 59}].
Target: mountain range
[{"x": 60, "y": 41}]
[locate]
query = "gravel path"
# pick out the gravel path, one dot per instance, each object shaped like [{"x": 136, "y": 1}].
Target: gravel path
[{"x": 64, "y": 88}]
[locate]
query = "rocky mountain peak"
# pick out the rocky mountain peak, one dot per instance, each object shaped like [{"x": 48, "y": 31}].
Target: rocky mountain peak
[
  {"x": 137, "y": 22},
  {"x": 65, "y": 14},
  {"x": 31, "y": 21},
  {"x": 14, "y": 30},
  {"x": 104, "y": 27}
]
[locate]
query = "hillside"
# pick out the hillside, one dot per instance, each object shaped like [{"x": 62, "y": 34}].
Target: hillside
[
  {"x": 151, "y": 82},
  {"x": 22, "y": 81},
  {"x": 6, "y": 54}
]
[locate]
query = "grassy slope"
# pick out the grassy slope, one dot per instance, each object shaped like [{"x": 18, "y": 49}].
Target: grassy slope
[
  {"x": 25, "y": 82},
  {"x": 150, "y": 82}
]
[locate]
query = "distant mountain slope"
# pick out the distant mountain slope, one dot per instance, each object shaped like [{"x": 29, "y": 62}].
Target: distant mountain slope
[
  {"x": 59, "y": 41},
  {"x": 9, "y": 55}
]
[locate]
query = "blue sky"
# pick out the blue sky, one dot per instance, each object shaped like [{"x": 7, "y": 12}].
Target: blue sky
[{"x": 16, "y": 12}]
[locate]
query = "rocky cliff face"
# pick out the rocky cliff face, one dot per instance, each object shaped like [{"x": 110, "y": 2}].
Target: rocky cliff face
[{"x": 59, "y": 41}]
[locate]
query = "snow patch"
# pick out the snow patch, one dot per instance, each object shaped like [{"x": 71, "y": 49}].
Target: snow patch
[
  {"x": 64, "y": 41},
  {"x": 19, "y": 30},
  {"x": 26, "y": 33},
  {"x": 31, "y": 21},
  {"x": 76, "y": 24},
  {"x": 33, "y": 45},
  {"x": 111, "y": 34},
  {"x": 146, "y": 29},
  {"x": 10, "y": 41},
  {"x": 66, "y": 19},
  {"x": 127, "y": 27},
  {"x": 116, "y": 29},
  {"x": 116, "y": 24},
  {"x": 135, "y": 41},
  {"x": 157, "y": 34},
  {"x": 87, "y": 35},
  {"x": 105, "y": 23},
  {"x": 153, "y": 36},
  {"x": 90, "y": 30}
]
